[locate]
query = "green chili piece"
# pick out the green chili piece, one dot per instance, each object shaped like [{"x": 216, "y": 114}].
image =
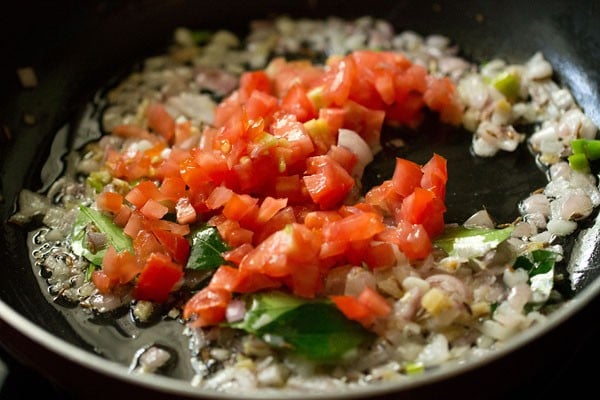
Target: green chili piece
[
  {"x": 579, "y": 162},
  {"x": 508, "y": 83}
]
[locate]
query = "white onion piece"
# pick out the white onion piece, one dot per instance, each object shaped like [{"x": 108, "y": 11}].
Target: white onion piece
[
  {"x": 536, "y": 203},
  {"x": 481, "y": 219},
  {"x": 358, "y": 279},
  {"x": 519, "y": 295},
  {"x": 153, "y": 358},
  {"x": 560, "y": 227},
  {"x": 436, "y": 352},
  {"x": 576, "y": 206},
  {"x": 236, "y": 310},
  {"x": 357, "y": 145}
]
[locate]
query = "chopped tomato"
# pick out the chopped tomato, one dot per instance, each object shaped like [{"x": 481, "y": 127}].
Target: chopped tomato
[
  {"x": 269, "y": 207},
  {"x": 365, "y": 308},
  {"x": 109, "y": 201},
  {"x": 208, "y": 306},
  {"x": 425, "y": 208},
  {"x": 435, "y": 176},
  {"x": 297, "y": 102},
  {"x": 354, "y": 227},
  {"x": 267, "y": 173},
  {"x": 141, "y": 193},
  {"x": 120, "y": 267},
  {"x": 145, "y": 243},
  {"x": 412, "y": 240},
  {"x": 225, "y": 278},
  {"x": 219, "y": 197},
  {"x": 157, "y": 279},
  {"x": 176, "y": 245},
  {"x": 287, "y": 253},
  {"x": 172, "y": 188},
  {"x": 374, "y": 302},
  {"x": 160, "y": 121},
  {"x": 153, "y": 209},
  {"x": 239, "y": 205},
  {"x": 328, "y": 183},
  {"x": 407, "y": 176},
  {"x": 353, "y": 309},
  {"x": 254, "y": 81},
  {"x": 338, "y": 80},
  {"x": 122, "y": 216},
  {"x": 102, "y": 282}
]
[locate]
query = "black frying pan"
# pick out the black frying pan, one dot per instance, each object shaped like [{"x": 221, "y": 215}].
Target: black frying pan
[{"x": 77, "y": 47}]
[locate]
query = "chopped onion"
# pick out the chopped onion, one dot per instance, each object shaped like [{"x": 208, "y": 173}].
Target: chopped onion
[
  {"x": 356, "y": 144},
  {"x": 236, "y": 310}
]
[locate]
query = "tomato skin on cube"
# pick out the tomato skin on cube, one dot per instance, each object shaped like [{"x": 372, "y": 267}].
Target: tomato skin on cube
[
  {"x": 407, "y": 176},
  {"x": 157, "y": 279},
  {"x": 208, "y": 306},
  {"x": 109, "y": 201},
  {"x": 328, "y": 183}
]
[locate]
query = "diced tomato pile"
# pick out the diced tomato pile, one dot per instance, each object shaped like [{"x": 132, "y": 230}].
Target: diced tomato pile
[{"x": 271, "y": 177}]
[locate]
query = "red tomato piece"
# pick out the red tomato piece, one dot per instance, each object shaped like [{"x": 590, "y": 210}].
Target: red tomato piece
[
  {"x": 407, "y": 176},
  {"x": 328, "y": 183},
  {"x": 176, "y": 245},
  {"x": 435, "y": 176},
  {"x": 157, "y": 279},
  {"x": 146, "y": 243},
  {"x": 297, "y": 139},
  {"x": 339, "y": 80},
  {"x": 260, "y": 105},
  {"x": 122, "y": 216},
  {"x": 238, "y": 253},
  {"x": 296, "y": 102},
  {"x": 239, "y": 205},
  {"x": 354, "y": 227},
  {"x": 135, "y": 223},
  {"x": 412, "y": 240},
  {"x": 120, "y": 267},
  {"x": 102, "y": 282},
  {"x": 375, "y": 302},
  {"x": 384, "y": 197},
  {"x": 160, "y": 121},
  {"x": 269, "y": 207},
  {"x": 172, "y": 188},
  {"x": 279, "y": 221},
  {"x": 142, "y": 192},
  {"x": 283, "y": 253},
  {"x": 343, "y": 156},
  {"x": 219, "y": 197},
  {"x": 154, "y": 210},
  {"x": 378, "y": 255},
  {"x": 208, "y": 307},
  {"x": 364, "y": 121},
  {"x": 425, "y": 208},
  {"x": 254, "y": 81},
  {"x": 109, "y": 201},
  {"x": 225, "y": 278},
  {"x": 354, "y": 309}
]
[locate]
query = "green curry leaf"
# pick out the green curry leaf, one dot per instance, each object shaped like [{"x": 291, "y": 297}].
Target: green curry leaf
[
  {"x": 114, "y": 234},
  {"x": 313, "y": 329},
  {"x": 207, "y": 249}
]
